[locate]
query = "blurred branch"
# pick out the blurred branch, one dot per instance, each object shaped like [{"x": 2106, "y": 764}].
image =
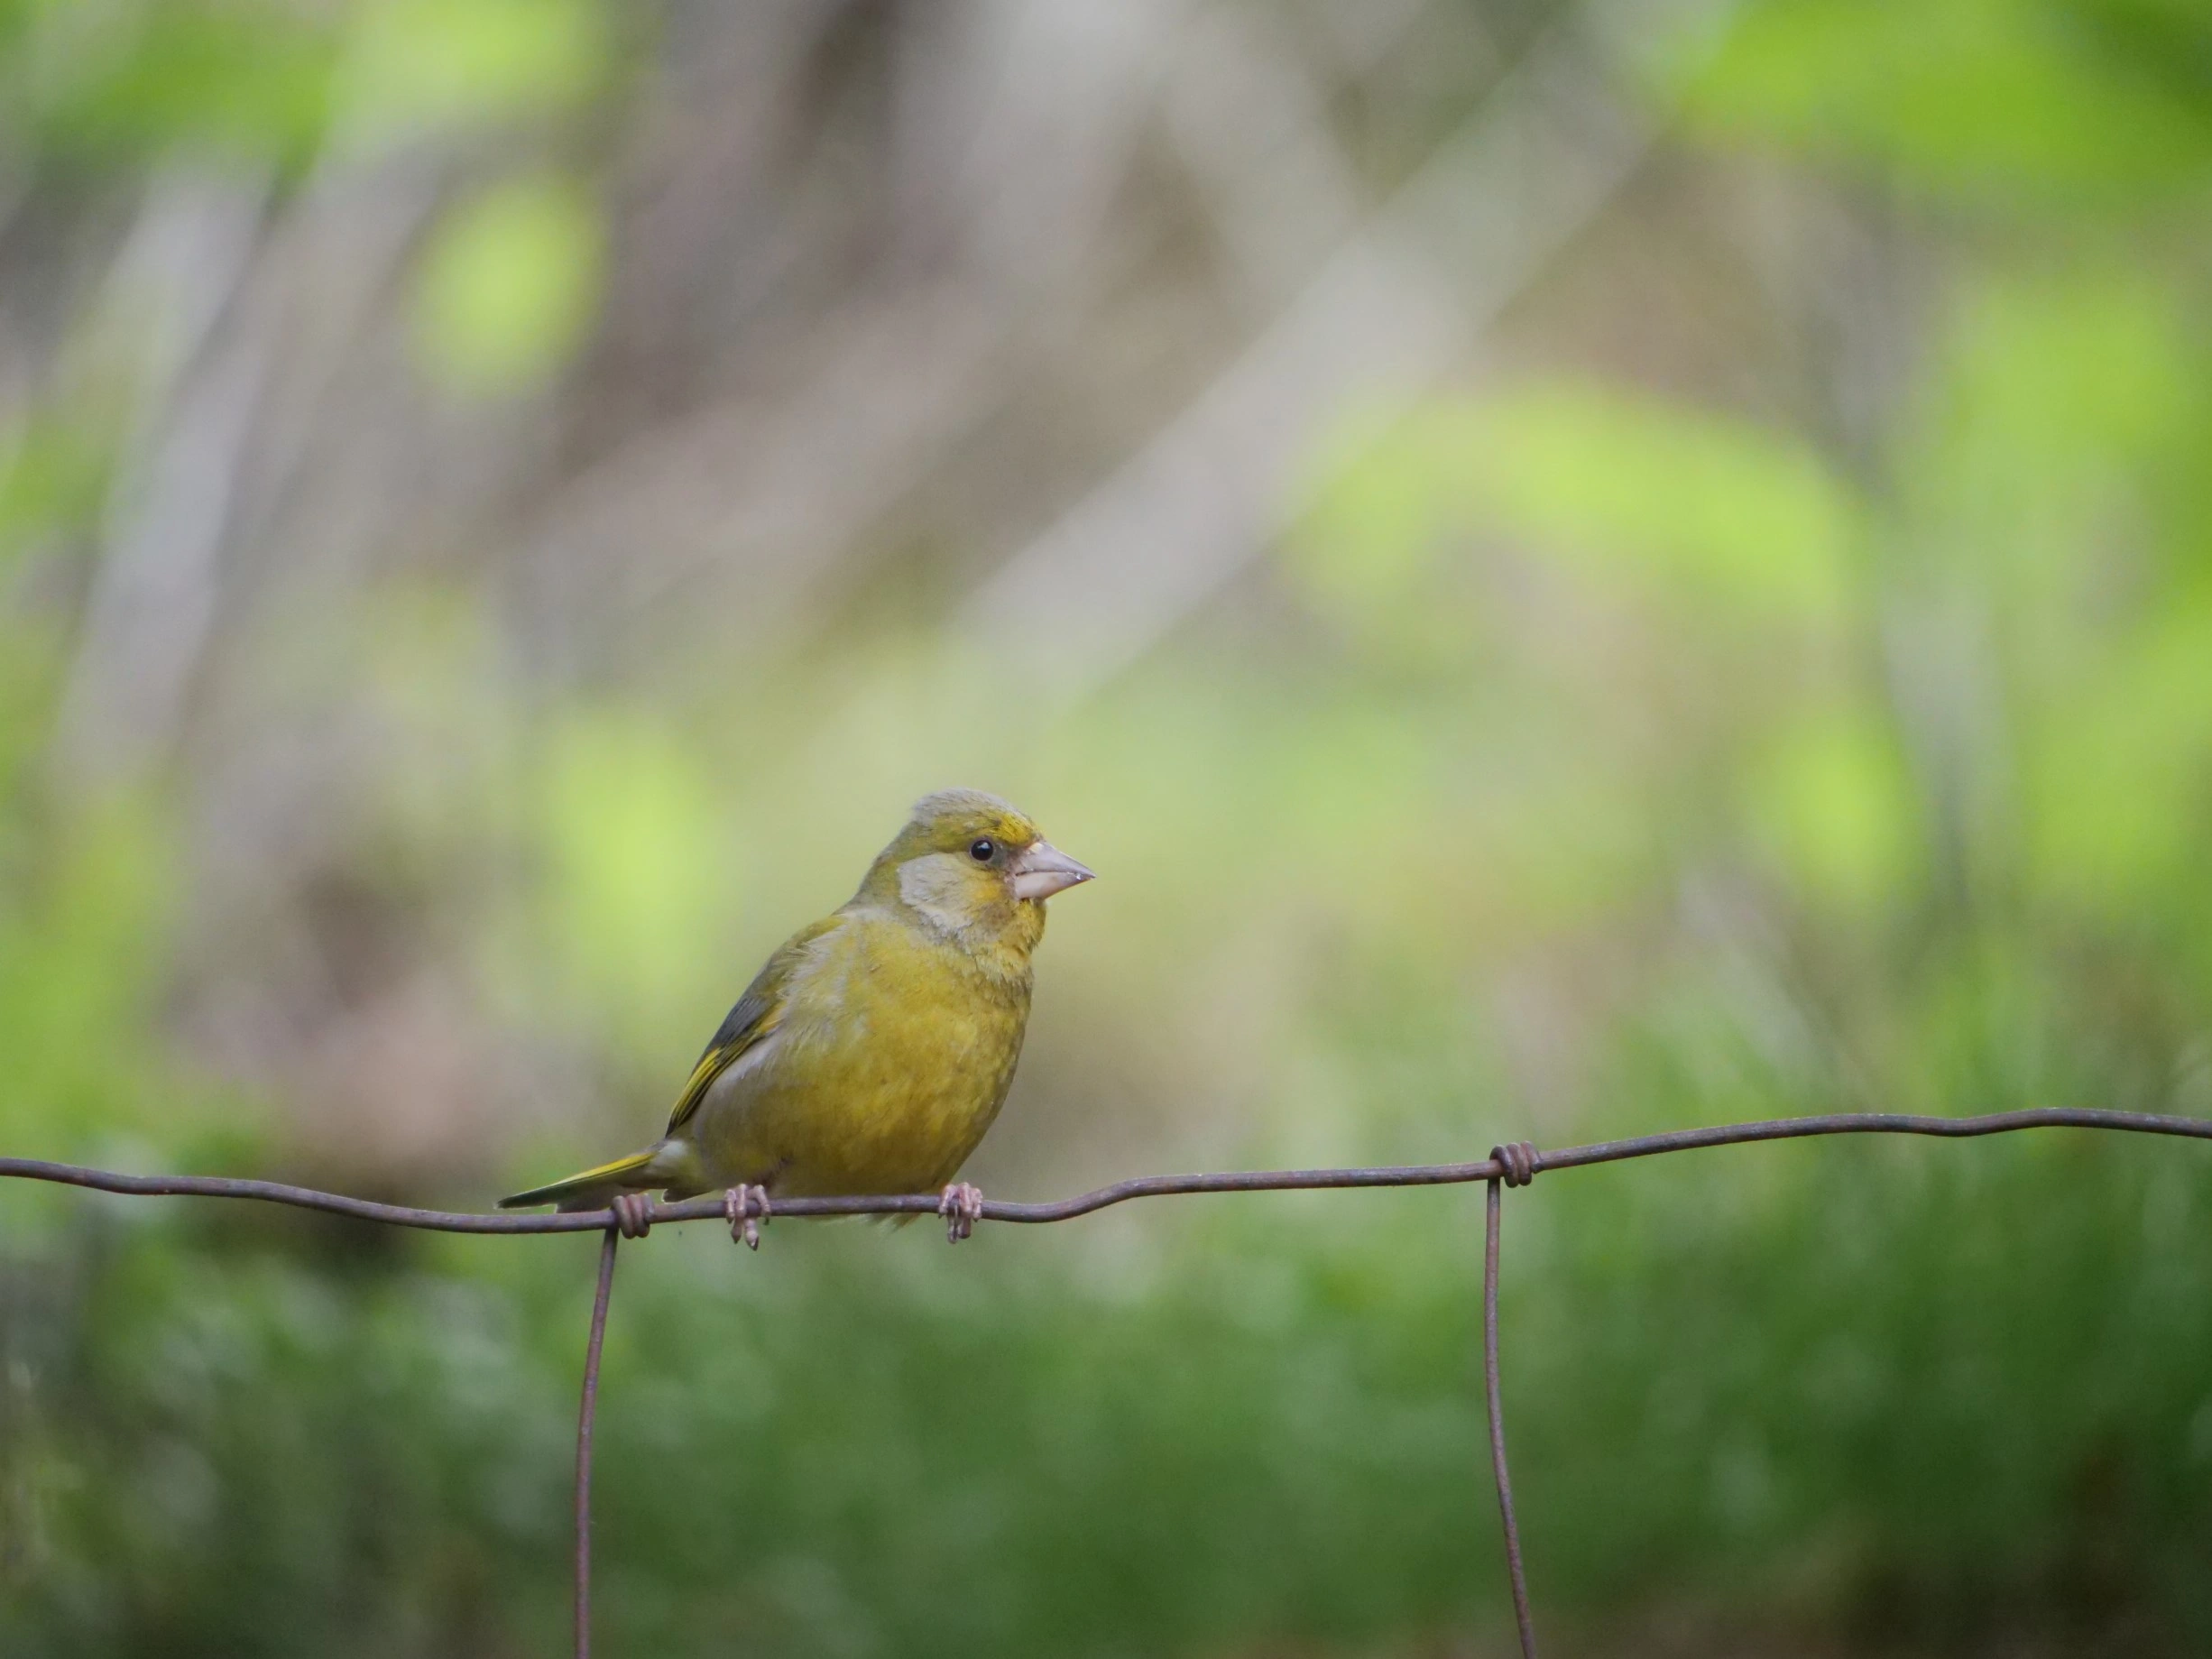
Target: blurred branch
[
  {"x": 153, "y": 599},
  {"x": 1385, "y": 316},
  {"x": 1010, "y": 162}
]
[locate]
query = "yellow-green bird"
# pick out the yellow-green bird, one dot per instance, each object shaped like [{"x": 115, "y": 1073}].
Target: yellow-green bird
[{"x": 877, "y": 1046}]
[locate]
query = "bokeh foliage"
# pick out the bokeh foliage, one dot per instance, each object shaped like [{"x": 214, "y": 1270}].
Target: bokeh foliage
[{"x": 1587, "y": 757}]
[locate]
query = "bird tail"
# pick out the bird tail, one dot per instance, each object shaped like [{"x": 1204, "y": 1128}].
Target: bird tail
[{"x": 589, "y": 1189}]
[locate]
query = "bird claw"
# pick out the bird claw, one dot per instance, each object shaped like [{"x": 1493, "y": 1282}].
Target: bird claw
[
  {"x": 633, "y": 1213},
  {"x": 747, "y": 1208},
  {"x": 962, "y": 1207}
]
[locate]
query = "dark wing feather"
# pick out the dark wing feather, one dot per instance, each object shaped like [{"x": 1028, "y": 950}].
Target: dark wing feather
[{"x": 750, "y": 1022}]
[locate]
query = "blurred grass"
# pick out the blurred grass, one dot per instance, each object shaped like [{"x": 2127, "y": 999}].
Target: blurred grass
[{"x": 1930, "y": 1392}]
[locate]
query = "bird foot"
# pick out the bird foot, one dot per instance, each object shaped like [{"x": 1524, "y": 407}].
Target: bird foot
[
  {"x": 633, "y": 1213},
  {"x": 962, "y": 1207},
  {"x": 747, "y": 1208}
]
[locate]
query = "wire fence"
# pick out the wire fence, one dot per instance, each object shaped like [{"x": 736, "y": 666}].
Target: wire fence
[{"x": 1516, "y": 1165}]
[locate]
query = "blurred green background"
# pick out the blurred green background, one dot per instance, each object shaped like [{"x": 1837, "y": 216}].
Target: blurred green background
[{"x": 1575, "y": 570}]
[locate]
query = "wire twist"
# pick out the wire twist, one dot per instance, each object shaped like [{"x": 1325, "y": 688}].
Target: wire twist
[{"x": 1518, "y": 1163}]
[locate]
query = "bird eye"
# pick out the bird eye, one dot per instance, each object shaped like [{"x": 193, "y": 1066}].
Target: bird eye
[{"x": 982, "y": 851}]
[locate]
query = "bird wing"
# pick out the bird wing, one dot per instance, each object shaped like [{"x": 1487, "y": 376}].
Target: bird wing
[{"x": 752, "y": 1020}]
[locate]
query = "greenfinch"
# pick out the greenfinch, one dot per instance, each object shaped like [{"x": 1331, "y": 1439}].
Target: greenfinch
[{"x": 875, "y": 1048}]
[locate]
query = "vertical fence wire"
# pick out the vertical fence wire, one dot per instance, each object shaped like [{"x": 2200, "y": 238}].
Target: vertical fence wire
[
  {"x": 1493, "y": 1205},
  {"x": 584, "y": 1415}
]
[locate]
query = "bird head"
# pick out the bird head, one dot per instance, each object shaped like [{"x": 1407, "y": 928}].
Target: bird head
[{"x": 969, "y": 862}]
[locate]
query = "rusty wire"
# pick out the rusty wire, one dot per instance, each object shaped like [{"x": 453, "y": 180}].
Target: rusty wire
[
  {"x": 1519, "y": 1162},
  {"x": 1515, "y": 1165},
  {"x": 585, "y": 1412}
]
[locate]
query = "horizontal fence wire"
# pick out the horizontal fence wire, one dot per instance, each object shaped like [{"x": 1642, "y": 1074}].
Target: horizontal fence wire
[
  {"x": 1120, "y": 1192},
  {"x": 744, "y": 1209}
]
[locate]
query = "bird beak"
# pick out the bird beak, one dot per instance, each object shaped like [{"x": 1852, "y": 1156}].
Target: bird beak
[{"x": 1040, "y": 870}]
